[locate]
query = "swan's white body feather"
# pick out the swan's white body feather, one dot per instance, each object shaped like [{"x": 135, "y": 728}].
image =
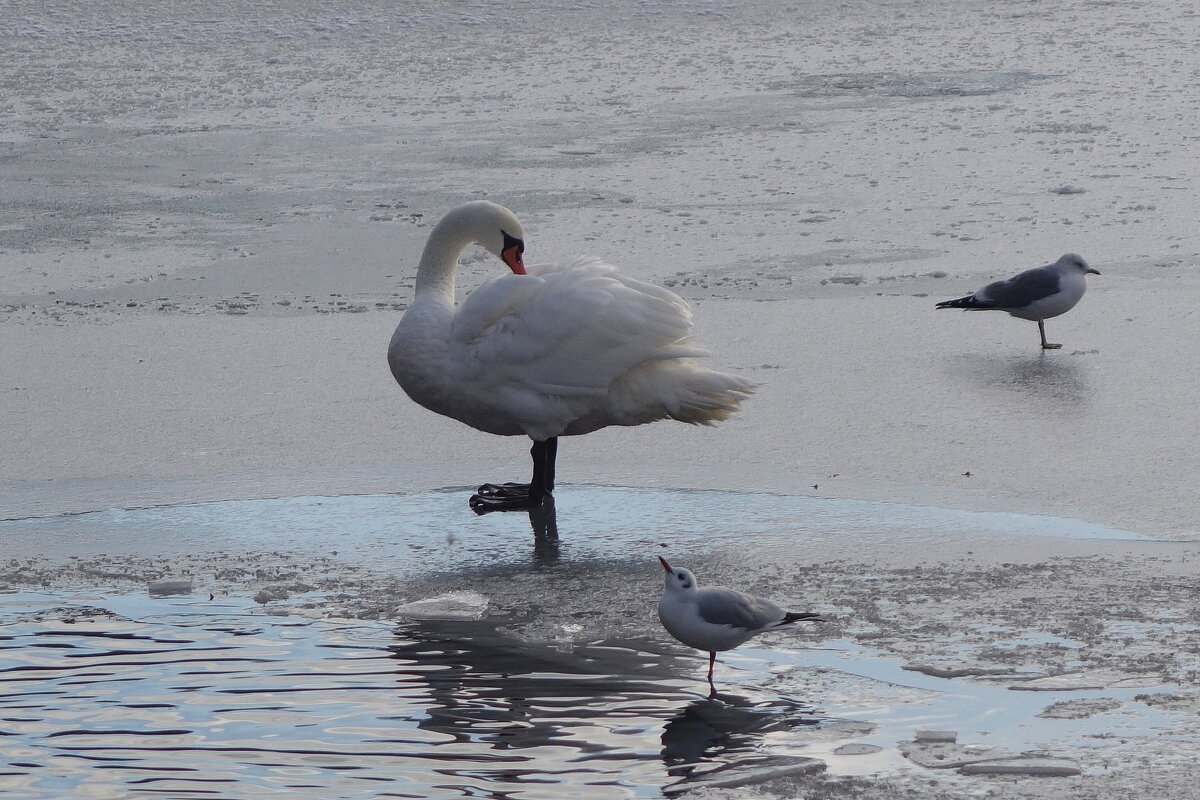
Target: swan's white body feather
[{"x": 564, "y": 350}]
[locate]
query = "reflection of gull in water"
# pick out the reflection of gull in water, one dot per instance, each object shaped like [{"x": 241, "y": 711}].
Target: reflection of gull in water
[
  {"x": 497, "y": 714},
  {"x": 1049, "y": 377},
  {"x": 728, "y": 722},
  {"x": 1036, "y": 378},
  {"x": 700, "y": 741},
  {"x": 1036, "y": 294}
]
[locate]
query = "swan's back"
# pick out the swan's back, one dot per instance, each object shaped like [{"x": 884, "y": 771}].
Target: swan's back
[{"x": 566, "y": 350}]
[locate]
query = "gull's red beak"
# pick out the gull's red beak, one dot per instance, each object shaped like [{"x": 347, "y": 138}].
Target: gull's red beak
[
  {"x": 666, "y": 566},
  {"x": 512, "y": 257}
]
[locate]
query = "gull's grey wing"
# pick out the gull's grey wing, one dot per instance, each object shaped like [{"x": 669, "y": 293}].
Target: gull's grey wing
[
  {"x": 729, "y": 607},
  {"x": 1019, "y": 291}
]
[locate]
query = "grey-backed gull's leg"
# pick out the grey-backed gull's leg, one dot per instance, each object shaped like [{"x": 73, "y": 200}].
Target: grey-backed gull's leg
[{"x": 1042, "y": 330}]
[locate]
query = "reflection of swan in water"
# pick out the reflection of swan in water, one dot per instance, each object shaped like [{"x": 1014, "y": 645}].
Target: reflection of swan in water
[
  {"x": 698, "y": 741},
  {"x": 476, "y": 684},
  {"x": 544, "y": 521}
]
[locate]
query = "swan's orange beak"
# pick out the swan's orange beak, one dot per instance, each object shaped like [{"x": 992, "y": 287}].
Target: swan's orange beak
[
  {"x": 666, "y": 566},
  {"x": 512, "y": 257}
]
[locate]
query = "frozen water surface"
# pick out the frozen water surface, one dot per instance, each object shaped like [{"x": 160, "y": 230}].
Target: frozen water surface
[
  {"x": 209, "y": 219},
  {"x": 419, "y": 532}
]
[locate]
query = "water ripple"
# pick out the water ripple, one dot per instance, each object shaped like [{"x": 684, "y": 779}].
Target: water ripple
[{"x": 217, "y": 704}]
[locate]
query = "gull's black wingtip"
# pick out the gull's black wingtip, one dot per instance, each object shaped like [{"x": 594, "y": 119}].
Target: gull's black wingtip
[{"x": 961, "y": 302}]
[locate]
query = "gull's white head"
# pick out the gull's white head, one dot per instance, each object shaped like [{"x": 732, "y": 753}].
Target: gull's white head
[
  {"x": 1075, "y": 261},
  {"x": 491, "y": 226},
  {"x": 678, "y": 579}
]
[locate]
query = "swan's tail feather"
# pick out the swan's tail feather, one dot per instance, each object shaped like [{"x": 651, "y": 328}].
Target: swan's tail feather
[
  {"x": 678, "y": 389},
  {"x": 706, "y": 397}
]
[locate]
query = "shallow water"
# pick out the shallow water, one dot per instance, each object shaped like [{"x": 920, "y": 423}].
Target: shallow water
[
  {"x": 182, "y": 698},
  {"x": 128, "y": 696},
  {"x": 110, "y": 693}
]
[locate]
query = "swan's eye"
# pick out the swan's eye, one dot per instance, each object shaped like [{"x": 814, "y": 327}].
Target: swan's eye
[{"x": 511, "y": 242}]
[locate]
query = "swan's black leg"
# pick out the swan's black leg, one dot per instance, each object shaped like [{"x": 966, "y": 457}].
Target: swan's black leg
[
  {"x": 513, "y": 496},
  {"x": 543, "y": 463}
]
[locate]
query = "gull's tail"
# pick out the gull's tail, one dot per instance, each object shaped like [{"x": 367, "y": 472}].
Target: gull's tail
[
  {"x": 968, "y": 303},
  {"x": 798, "y": 616}
]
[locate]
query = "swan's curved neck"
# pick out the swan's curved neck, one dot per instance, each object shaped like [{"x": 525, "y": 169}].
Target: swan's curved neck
[
  {"x": 439, "y": 263},
  {"x": 439, "y": 260}
]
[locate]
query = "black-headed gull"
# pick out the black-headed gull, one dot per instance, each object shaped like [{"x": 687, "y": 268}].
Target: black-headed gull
[
  {"x": 560, "y": 350},
  {"x": 716, "y": 618},
  {"x": 1036, "y": 294}
]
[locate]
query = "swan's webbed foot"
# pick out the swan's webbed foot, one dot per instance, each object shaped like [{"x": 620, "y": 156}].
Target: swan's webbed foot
[
  {"x": 1051, "y": 346},
  {"x": 521, "y": 496},
  {"x": 505, "y": 497}
]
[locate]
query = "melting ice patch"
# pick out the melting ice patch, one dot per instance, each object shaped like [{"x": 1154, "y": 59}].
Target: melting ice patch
[{"x": 953, "y": 83}]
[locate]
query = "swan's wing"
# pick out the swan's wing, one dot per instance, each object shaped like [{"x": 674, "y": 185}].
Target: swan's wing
[{"x": 569, "y": 331}]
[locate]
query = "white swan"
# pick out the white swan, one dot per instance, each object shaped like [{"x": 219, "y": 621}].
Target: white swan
[{"x": 560, "y": 351}]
